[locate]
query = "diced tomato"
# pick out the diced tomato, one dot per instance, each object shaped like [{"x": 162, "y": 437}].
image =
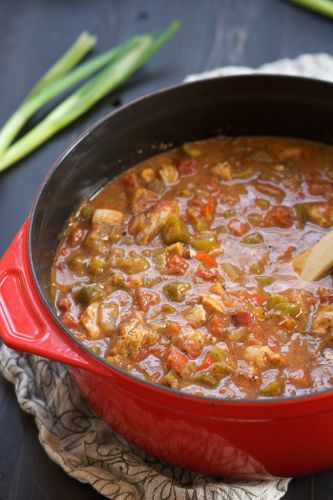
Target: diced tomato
[
  {"x": 206, "y": 259},
  {"x": 252, "y": 340},
  {"x": 320, "y": 188},
  {"x": 270, "y": 191},
  {"x": 279, "y": 216},
  {"x": 208, "y": 209},
  {"x": 241, "y": 296},
  {"x": 68, "y": 320},
  {"x": 173, "y": 328},
  {"x": 192, "y": 214},
  {"x": 141, "y": 354},
  {"x": 260, "y": 299},
  {"x": 242, "y": 318},
  {"x": 145, "y": 299},
  {"x": 299, "y": 378},
  {"x": 327, "y": 297},
  {"x": 187, "y": 166},
  {"x": 300, "y": 195},
  {"x": 177, "y": 360},
  {"x": 206, "y": 362},
  {"x": 218, "y": 325},
  {"x": 288, "y": 323},
  {"x": 158, "y": 351},
  {"x": 176, "y": 265},
  {"x": 289, "y": 252},
  {"x": 155, "y": 376},
  {"x": 131, "y": 182},
  {"x": 205, "y": 274},
  {"x": 238, "y": 228},
  {"x": 64, "y": 304}
]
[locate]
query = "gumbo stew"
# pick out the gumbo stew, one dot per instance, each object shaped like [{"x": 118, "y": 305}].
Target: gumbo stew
[{"x": 180, "y": 270}]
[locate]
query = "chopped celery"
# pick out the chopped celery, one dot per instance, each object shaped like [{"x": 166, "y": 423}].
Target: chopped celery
[
  {"x": 200, "y": 226},
  {"x": 97, "y": 266},
  {"x": 254, "y": 219},
  {"x": 217, "y": 353},
  {"x": 262, "y": 203},
  {"x": 275, "y": 299},
  {"x": 175, "y": 230},
  {"x": 89, "y": 294},
  {"x": 302, "y": 210},
  {"x": 176, "y": 290},
  {"x": 253, "y": 239},
  {"x": 288, "y": 309},
  {"x": 204, "y": 242},
  {"x": 264, "y": 280},
  {"x": 274, "y": 388}
]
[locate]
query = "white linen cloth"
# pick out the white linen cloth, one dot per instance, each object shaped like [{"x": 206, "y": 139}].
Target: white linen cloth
[{"x": 90, "y": 451}]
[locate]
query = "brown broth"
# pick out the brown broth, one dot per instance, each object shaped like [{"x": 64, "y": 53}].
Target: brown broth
[{"x": 247, "y": 326}]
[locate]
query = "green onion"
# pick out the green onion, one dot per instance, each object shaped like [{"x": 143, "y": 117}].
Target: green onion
[
  {"x": 324, "y": 7},
  {"x": 68, "y": 61},
  {"x": 119, "y": 63},
  {"x": 37, "y": 100}
]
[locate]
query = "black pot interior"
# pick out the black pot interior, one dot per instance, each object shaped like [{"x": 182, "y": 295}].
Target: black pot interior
[{"x": 242, "y": 105}]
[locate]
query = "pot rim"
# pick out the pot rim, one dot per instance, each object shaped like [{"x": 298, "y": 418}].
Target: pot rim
[{"x": 277, "y": 400}]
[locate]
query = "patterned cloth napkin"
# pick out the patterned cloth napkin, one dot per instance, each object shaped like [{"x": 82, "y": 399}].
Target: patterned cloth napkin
[{"x": 90, "y": 451}]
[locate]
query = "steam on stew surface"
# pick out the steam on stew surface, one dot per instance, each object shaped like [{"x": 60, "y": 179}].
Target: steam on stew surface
[{"x": 179, "y": 271}]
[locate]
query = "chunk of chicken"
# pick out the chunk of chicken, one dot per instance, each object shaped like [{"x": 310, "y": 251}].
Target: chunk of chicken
[
  {"x": 107, "y": 216},
  {"x": 179, "y": 249},
  {"x": 146, "y": 226},
  {"x": 169, "y": 174},
  {"x": 222, "y": 170},
  {"x": 321, "y": 214},
  {"x": 108, "y": 315},
  {"x": 191, "y": 341},
  {"x": 134, "y": 334},
  {"x": 212, "y": 305},
  {"x": 130, "y": 264},
  {"x": 323, "y": 320},
  {"x": 195, "y": 315},
  {"x": 89, "y": 319},
  {"x": 147, "y": 174},
  {"x": 262, "y": 356},
  {"x": 100, "y": 318},
  {"x": 142, "y": 200}
]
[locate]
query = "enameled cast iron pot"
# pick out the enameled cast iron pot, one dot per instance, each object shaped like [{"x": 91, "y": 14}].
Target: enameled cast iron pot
[{"x": 243, "y": 439}]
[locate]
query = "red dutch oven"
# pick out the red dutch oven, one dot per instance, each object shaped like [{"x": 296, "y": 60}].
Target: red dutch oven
[{"x": 241, "y": 439}]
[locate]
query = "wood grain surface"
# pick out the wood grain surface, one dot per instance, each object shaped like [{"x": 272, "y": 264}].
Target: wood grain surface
[{"x": 33, "y": 33}]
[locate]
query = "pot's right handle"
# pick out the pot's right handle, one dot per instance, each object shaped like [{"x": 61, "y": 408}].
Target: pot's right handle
[{"x": 25, "y": 323}]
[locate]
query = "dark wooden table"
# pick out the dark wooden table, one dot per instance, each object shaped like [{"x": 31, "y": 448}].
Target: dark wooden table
[{"x": 33, "y": 33}]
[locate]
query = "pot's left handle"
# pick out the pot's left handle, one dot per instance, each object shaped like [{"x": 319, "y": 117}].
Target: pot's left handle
[{"x": 25, "y": 323}]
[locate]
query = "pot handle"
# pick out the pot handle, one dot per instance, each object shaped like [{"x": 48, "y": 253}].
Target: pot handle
[{"x": 25, "y": 323}]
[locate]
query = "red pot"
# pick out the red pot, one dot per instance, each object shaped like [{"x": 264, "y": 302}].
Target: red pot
[{"x": 242, "y": 439}]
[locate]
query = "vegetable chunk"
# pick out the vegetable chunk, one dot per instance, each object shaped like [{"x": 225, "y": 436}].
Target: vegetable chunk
[
  {"x": 107, "y": 216},
  {"x": 198, "y": 288},
  {"x": 146, "y": 226}
]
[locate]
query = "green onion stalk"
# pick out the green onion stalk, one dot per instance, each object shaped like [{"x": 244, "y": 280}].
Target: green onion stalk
[
  {"x": 84, "y": 43},
  {"x": 119, "y": 64},
  {"x": 324, "y": 7},
  {"x": 38, "y": 99}
]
